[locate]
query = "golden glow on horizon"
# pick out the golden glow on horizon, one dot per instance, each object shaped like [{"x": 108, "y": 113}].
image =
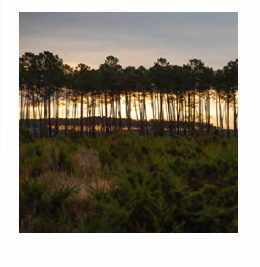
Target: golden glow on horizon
[{"x": 100, "y": 109}]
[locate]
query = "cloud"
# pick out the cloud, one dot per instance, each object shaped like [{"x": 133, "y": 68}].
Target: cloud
[{"x": 135, "y": 38}]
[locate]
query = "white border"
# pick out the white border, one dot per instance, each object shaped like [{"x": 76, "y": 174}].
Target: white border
[{"x": 130, "y": 249}]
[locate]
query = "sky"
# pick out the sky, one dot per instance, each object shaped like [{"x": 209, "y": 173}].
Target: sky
[{"x": 135, "y": 38}]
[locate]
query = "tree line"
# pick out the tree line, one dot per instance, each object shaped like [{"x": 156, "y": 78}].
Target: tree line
[{"x": 179, "y": 96}]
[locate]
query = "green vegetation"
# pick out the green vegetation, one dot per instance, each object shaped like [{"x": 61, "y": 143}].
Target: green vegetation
[{"x": 129, "y": 183}]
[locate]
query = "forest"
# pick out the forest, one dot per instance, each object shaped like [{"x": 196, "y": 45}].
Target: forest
[
  {"x": 56, "y": 99},
  {"x": 136, "y": 150}
]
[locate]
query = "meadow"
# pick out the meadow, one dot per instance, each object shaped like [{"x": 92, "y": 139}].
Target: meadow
[{"x": 128, "y": 183}]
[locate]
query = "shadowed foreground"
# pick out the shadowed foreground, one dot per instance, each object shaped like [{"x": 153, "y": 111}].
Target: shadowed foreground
[{"x": 128, "y": 183}]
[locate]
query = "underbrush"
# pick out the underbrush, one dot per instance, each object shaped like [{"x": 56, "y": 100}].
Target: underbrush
[{"x": 129, "y": 183}]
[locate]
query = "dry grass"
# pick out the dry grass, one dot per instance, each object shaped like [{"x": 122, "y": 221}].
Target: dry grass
[{"x": 90, "y": 177}]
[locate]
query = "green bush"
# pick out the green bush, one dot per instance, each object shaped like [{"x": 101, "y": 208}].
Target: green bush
[
  {"x": 25, "y": 135},
  {"x": 37, "y": 202},
  {"x": 162, "y": 184}
]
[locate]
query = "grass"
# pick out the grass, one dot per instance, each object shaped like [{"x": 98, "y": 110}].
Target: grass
[{"x": 129, "y": 183}]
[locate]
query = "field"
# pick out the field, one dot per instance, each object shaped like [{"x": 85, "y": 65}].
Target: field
[{"x": 128, "y": 183}]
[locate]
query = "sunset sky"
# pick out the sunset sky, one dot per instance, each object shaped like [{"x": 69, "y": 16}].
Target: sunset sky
[{"x": 134, "y": 38}]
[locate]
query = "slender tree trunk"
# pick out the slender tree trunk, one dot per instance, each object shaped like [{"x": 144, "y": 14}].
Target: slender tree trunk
[
  {"x": 75, "y": 126},
  {"x": 93, "y": 116},
  {"x": 235, "y": 113},
  {"x": 126, "y": 109},
  {"x": 21, "y": 108},
  {"x": 49, "y": 114},
  {"x": 220, "y": 115},
  {"x": 216, "y": 109},
  {"x": 194, "y": 110},
  {"x": 185, "y": 116},
  {"x": 189, "y": 111},
  {"x": 28, "y": 109},
  {"x": 129, "y": 110},
  {"x": 228, "y": 130},
  {"x": 66, "y": 111},
  {"x": 39, "y": 115},
  {"x": 169, "y": 117},
  {"x": 34, "y": 118},
  {"x": 136, "y": 113},
  {"x": 106, "y": 113},
  {"x": 200, "y": 122},
  {"x": 45, "y": 111},
  {"x": 174, "y": 112},
  {"x": 88, "y": 116},
  {"x": 161, "y": 115},
  {"x": 57, "y": 114},
  {"x": 208, "y": 106},
  {"x": 140, "y": 113},
  {"x": 119, "y": 112},
  {"x": 112, "y": 113},
  {"x": 81, "y": 113},
  {"x": 100, "y": 107},
  {"x": 178, "y": 113},
  {"x": 145, "y": 113},
  {"x": 153, "y": 111}
]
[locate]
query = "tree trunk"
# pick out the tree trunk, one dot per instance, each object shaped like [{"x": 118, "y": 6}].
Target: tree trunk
[
  {"x": 34, "y": 117},
  {"x": 217, "y": 109},
  {"x": 57, "y": 114},
  {"x": 194, "y": 110},
  {"x": 21, "y": 108},
  {"x": 93, "y": 116},
  {"x": 66, "y": 112},
  {"x": 81, "y": 114},
  {"x": 189, "y": 112},
  {"x": 228, "y": 130},
  {"x": 235, "y": 114},
  {"x": 49, "y": 114},
  {"x": 208, "y": 113}
]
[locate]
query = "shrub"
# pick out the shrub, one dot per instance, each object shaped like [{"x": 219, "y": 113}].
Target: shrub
[
  {"x": 162, "y": 184},
  {"x": 25, "y": 135}
]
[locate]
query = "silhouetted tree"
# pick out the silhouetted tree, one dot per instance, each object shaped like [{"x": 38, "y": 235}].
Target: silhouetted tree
[{"x": 179, "y": 95}]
